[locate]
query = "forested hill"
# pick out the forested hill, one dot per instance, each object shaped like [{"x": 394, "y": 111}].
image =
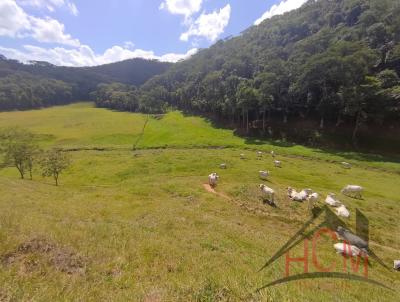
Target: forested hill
[
  {"x": 40, "y": 84},
  {"x": 330, "y": 65}
]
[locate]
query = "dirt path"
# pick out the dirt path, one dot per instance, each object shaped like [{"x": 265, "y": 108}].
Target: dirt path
[
  {"x": 141, "y": 134},
  {"x": 210, "y": 189},
  {"x": 253, "y": 210}
]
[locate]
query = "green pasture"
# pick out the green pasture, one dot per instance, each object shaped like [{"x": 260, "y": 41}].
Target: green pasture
[{"x": 138, "y": 225}]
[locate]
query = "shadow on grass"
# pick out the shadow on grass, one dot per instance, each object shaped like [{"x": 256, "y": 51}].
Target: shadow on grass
[{"x": 361, "y": 156}]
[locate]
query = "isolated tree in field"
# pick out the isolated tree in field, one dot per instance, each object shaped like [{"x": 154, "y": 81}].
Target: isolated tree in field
[
  {"x": 19, "y": 150},
  {"x": 53, "y": 163}
]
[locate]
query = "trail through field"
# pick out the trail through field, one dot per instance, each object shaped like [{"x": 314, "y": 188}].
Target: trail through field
[
  {"x": 141, "y": 134},
  {"x": 210, "y": 189},
  {"x": 244, "y": 206}
]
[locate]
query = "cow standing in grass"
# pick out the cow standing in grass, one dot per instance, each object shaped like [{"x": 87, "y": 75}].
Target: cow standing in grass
[{"x": 213, "y": 179}]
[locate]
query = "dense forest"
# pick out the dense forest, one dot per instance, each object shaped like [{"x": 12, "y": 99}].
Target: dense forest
[
  {"x": 331, "y": 65},
  {"x": 40, "y": 84}
]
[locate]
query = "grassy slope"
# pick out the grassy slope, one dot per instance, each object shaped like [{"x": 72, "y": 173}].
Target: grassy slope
[
  {"x": 150, "y": 232},
  {"x": 82, "y": 126}
]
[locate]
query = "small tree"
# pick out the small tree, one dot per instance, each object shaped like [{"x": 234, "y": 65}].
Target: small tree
[
  {"x": 19, "y": 149},
  {"x": 53, "y": 163}
]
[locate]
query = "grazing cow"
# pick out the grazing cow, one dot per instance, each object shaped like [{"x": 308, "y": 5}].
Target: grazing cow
[
  {"x": 347, "y": 249},
  {"x": 306, "y": 192},
  {"x": 291, "y": 192},
  {"x": 273, "y": 153},
  {"x": 263, "y": 174},
  {"x": 298, "y": 196},
  {"x": 222, "y": 166},
  {"x": 259, "y": 154},
  {"x": 353, "y": 191},
  {"x": 278, "y": 163},
  {"x": 396, "y": 265},
  {"x": 332, "y": 201},
  {"x": 313, "y": 197},
  {"x": 342, "y": 211},
  {"x": 349, "y": 237},
  {"x": 268, "y": 193},
  {"x": 346, "y": 165},
  {"x": 242, "y": 156},
  {"x": 213, "y": 179}
]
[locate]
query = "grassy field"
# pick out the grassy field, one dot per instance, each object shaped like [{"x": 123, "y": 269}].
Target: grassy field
[{"x": 139, "y": 226}]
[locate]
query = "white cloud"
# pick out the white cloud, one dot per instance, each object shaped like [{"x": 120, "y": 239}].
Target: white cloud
[
  {"x": 72, "y": 8},
  {"x": 85, "y": 56},
  {"x": 51, "y": 5},
  {"x": 13, "y": 19},
  {"x": 129, "y": 44},
  {"x": 174, "y": 57},
  {"x": 209, "y": 26},
  {"x": 182, "y": 7},
  {"x": 281, "y": 8},
  {"x": 16, "y": 23},
  {"x": 51, "y": 31}
]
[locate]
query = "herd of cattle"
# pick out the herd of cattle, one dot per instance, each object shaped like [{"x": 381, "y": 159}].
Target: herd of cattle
[
  {"x": 304, "y": 195},
  {"x": 352, "y": 245}
]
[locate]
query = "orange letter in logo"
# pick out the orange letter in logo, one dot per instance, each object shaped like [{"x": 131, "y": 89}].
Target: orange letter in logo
[
  {"x": 355, "y": 264},
  {"x": 304, "y": 259}
]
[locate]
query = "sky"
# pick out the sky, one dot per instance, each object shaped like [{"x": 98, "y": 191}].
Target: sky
[{"x": 95, "y": 32}]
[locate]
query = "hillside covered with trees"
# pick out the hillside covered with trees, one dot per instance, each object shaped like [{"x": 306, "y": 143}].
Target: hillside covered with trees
[
  {"x": 41, "y": 84},
  {"x": 330, "y": 66}
]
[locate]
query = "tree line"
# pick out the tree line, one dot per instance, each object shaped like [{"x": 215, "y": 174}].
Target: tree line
[
  {"x": 41, "y": 84},
  {"x": 19, "y": 149}
]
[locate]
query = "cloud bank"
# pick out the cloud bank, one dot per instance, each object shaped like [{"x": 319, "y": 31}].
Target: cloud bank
[
  {"x": 209, "y": 26},
  {"x": 85, "y": 56},
  {"x": 17, "y": 24}
]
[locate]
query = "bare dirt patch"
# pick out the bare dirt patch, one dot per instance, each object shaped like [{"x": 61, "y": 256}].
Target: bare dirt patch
[
  {"x": 32, "y": 254},
  {"x": 210, "y": 189}
]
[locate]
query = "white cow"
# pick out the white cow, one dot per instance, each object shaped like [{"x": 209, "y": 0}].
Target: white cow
[
  {"x": 268, "y": 193},
  {"x": 278, "y": 163},
  {"x": 303, "y": 195},
  {"x": 347, "y": 249},
  {"x": 332, "y": 201},
  {"x": 298, "y": 196},
  {"x": 353, "y": 191},
  {"x": 213, "y": 179},
  {"x": 396, "y": 265},
  {"x": 346, "y": 165},
  {"x": 291, "y": 192},
  {"x": 263, "y": 174},
  {"x": 222, "y": 166},
  {"x": 342, "y": 211},
  {"x": 314, "y": 197},
  {"x": 242, "y": 156},
  {"x": 259, "y": 154}
]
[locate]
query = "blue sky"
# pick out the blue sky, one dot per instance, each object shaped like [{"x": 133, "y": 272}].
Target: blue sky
[{"x": 93, "y": 32}]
